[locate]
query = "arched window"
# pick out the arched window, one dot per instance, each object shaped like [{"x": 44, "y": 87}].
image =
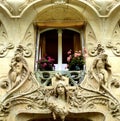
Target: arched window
[{"x": 56, "y": 43}]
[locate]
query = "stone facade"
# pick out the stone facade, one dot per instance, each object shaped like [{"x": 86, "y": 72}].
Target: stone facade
[{"x": 24, "y": 97}]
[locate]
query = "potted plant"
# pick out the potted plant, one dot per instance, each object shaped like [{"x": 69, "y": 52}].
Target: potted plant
[
  {"x": 76, "y": 60},
  {"x": 46, "y": 64}
]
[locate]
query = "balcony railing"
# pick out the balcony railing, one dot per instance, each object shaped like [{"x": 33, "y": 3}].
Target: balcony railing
[{"x": 45, "y": 77}]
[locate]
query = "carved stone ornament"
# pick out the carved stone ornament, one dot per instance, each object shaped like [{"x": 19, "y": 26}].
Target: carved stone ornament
[
  {"x": 96, "y": 50},
  {"x": 15, "y": 8},
  {"x": 56, "y": 95},
  {"x": 114, "y": 47},
  {"x": 5, "y": 49},
  {"x": 5, "y": 45},
  {"x": 103, "y": 7},
  {"x": 114, "y": 44}
]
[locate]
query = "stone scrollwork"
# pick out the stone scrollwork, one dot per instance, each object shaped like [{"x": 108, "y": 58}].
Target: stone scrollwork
[
  {"x": 57, "y": 94},
  {"x": 114, "y": 47},
  {"x": 4, "y": 50},
  {"x": 5, "y": 45},
  {"x": 27, "y": 52},
  {"x": 96, "y": 50},
  {"x": 101, "y": 81},
  {"x": 18, "y": 76}
]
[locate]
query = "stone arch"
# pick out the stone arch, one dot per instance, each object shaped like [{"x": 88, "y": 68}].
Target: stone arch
[
  {"x": 23, "y": 6},
  {"x": 84, "y": 13},
  {"x": 83, "y": 10}
]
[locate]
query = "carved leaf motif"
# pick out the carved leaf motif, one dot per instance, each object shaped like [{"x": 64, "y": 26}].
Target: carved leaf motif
[
  {"x": 5, "y": 45},
  {"x": 27, "y": 43}
]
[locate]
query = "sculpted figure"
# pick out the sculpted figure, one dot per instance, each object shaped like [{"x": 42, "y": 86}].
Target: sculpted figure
[
  {"x": 99, "y": 73},
  {"x": 57, "y": 103},
  {"x": 18, "y": 68},
  {"x": 101, "y": 69}
]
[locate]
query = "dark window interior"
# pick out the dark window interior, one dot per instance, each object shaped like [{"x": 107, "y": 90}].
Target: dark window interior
[
  {"x": 67, "y": 43},
  {"x": 51, "y": 43}
]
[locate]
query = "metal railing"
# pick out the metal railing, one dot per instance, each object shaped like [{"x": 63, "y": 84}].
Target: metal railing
[{"x": 75, "y": 77}]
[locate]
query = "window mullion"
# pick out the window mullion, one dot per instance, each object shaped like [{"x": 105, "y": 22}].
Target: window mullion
[{"x": 59, "y": 49}]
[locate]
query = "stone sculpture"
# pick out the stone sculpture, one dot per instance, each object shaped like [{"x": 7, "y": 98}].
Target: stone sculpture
[
  {"x": 97, "y": 97},
  {"x": 58, "y": 102}
]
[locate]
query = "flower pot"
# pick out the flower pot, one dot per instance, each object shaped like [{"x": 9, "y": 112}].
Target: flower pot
[{"x": 76, "y": 68}]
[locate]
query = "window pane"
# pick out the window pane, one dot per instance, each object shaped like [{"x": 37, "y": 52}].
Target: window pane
[
  {"x": 70, "y": 40},
  {"x": 51, "y": 44}
]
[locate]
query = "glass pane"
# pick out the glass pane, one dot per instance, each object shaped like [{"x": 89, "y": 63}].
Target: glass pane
[
  {"x": 51, "y": 44},
  {"x": 70, "y": 40},
  {"x": 67, "y": 43}
]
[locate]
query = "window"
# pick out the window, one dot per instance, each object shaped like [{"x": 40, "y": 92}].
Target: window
[{"x": 56, "y": 43}]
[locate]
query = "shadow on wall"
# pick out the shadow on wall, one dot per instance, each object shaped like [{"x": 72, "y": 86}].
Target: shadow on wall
[{"x": 93, "y": 116}]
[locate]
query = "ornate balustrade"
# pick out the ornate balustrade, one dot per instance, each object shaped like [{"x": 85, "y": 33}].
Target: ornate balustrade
[{"x": 75, "y": 77}]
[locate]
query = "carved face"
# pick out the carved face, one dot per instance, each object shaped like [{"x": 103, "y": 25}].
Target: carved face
[
  {"x": 60, "y": 89},
  {"x": 19, "y": 66},
  {"x": 100, "y": 64}
]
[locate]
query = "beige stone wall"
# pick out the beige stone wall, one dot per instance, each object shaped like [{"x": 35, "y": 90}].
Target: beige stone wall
[{"x": 18, "y": 19}]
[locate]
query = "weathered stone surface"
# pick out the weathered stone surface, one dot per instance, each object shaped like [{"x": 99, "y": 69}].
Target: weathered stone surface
[{"x": 23, "y": 95}]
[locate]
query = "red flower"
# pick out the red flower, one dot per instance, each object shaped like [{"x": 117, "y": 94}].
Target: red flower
[
  {"x": 46, "y": 63},
  {"x": 69, "y": 52},
  {"x": 76, "y": 60}
]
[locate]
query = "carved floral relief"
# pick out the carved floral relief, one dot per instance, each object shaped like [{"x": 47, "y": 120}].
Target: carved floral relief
[
  {"x": 27, "y": 43},
  {"x": 5, "y": 44},
  {"x": 114, "y": 44}
]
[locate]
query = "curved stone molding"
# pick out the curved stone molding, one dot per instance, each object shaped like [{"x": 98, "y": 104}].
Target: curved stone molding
[
  {"x": 104, "y": 7},
  {"x": 5, "y": 45},
  {"x": 16, "y": 9}
]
